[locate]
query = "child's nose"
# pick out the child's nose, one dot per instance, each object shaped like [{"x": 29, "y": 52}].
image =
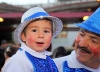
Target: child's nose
[{"x": 41, "y": 35}]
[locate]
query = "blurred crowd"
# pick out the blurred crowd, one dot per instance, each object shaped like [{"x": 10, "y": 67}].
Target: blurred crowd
[
  {"x": 7, "y": 50},
  {"x": 61, "y": 51}
]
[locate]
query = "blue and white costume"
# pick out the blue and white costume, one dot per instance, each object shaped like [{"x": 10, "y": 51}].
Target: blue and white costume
[
  {"x": 28, "y": 60},
  {"x": 71, "y": 64}
]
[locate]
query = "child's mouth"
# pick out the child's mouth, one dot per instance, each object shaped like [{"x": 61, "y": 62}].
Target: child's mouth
[{"x": 39, "y": 43}]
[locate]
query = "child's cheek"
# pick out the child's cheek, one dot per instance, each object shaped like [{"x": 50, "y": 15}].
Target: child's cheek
[
  {"x": 30, "y": 40},
  {"x": 77, "y": 39},
  {"x": 49, "y": 39}
]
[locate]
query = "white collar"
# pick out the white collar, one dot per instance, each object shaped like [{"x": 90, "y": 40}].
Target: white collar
[
  {"x": 34, "y": 53},
  {"x": 74, "y": 63}
]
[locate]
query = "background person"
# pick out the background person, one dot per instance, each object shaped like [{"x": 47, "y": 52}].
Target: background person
[
  {"x": 3, "y": 46},
  {"x": 59, "y": 52},
  {"x": 10, "y": 51}
]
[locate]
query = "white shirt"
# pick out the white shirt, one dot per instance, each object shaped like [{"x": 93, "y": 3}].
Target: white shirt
[
  {"x": 72, "y": 63},
  {"x": 20, "y": 63}
]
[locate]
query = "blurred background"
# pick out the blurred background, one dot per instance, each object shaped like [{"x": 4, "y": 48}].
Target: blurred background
[{"x": 69, "y": 11}]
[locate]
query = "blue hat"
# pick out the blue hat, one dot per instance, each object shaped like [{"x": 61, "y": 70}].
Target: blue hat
[
  {"x": 33, "y": 14},
  {"x": 92, "y": 23}
]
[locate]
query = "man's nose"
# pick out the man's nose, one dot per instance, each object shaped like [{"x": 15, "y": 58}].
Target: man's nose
[{"x": 84, "y": 41}]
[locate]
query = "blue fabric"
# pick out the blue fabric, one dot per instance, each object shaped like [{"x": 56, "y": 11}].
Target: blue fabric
[
  {"x": 66, "y": 68},
  {"x": 36, "y": 15},
  {"x": 20, "y": 49},
  {"x": 92, "y": 23},
  {"x": 42, "y": 65}
]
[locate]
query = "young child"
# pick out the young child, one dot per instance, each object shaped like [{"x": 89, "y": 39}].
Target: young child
[{"x": 35, "y": 33}]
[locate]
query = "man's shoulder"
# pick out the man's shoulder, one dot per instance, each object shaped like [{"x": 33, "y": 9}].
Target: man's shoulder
[
  {"x": 59, "y": 62},
  {"x": 61, "y": 59}
]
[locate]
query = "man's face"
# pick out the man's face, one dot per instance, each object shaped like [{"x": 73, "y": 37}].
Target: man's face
[{"x": 87, "y": 47}]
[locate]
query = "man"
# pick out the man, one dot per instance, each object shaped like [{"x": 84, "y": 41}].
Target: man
[
  {"x": 3, "y": 46},
  {"x": 86, "y": 56}
]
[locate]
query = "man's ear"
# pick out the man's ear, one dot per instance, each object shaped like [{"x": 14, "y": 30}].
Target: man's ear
[{"x": 23, "y": 38}]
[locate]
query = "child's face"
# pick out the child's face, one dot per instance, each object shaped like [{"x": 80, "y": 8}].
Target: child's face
[{"x": 38, "y": 35}]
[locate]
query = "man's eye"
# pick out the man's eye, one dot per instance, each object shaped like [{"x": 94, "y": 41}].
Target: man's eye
[
  {"x": 46, "y": 31},
  {"x": 34, "y": 30},
  {"x": 95, "y": 41},
  {"x": 81, "y": 34}
]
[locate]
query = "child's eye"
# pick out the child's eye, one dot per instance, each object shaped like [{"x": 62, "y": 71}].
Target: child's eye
[
  {"x": 46, "y": 31},
  {"x": 34, "y": 30}
]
